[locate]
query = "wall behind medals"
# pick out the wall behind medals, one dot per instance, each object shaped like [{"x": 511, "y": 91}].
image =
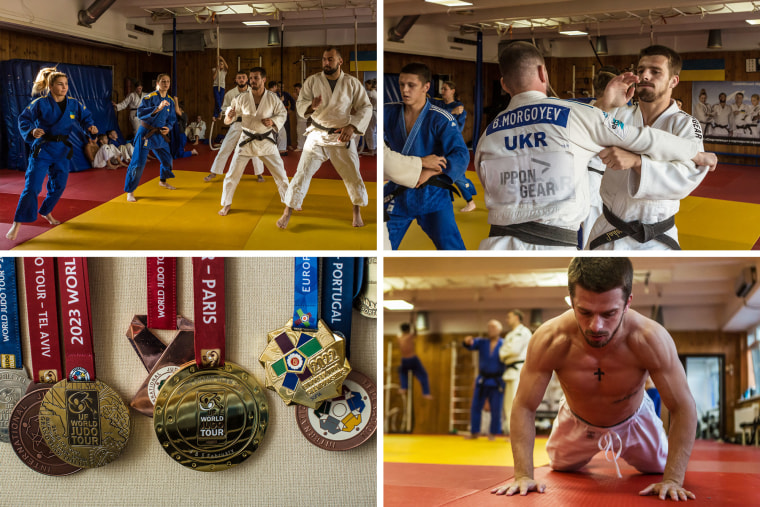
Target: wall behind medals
[{"x": 743, "y": 126}]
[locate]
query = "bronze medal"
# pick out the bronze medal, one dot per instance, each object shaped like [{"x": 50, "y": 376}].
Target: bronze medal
[
  {"x": 13, "y": 385},
  {"x": 305, "y": 367},
  {"x": 211, "y": 419},
  {"x": 344, "y": 422},
  {"x": 26, "y": 437},
  {"x": 86, "y": 424}
]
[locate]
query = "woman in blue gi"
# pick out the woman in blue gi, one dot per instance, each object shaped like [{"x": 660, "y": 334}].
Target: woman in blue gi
[
  {"x": 450, "y": 102},
  {"x": 46, "y": 124},
  {"x": 489, "y": 386},
  {"x": 157, "y": 117}
]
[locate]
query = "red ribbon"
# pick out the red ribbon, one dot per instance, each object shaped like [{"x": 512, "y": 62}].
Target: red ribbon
[
  {"x": 162, "y": 292},
  {"x": 76, "y": 321},
  {"x": 208, "y": 291},
  {"x": 42, "y": 312}
]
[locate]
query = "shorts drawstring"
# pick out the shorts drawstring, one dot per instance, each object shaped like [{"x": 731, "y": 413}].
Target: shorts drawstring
[{"x": 606, "y": 443}]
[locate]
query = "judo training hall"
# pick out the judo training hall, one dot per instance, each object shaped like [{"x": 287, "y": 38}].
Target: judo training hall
[
  {"x": 693, "y": 73},
  {"x": 144, "y": 119},
  {"x": 589, "y": 381}
]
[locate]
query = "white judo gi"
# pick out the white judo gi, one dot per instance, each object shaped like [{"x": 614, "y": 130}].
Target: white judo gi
[
  {"x": 740, "y": 119},
  {"x": 270, "y": 107},
  {"x": 370, "y": 136},
  {"x": 654, "y": 195},
  {"x": 703, "y": 113},
  {"x": 512, "y": 353},
  {"x": 105, "y": 153},
  {"x": 347, "y": 105},
  {"x": 231, "y": 140},
  {"x": 131, "y": 102},
  {"x": 533, "y": 163},
  {"x": 402, "y": 169},
  {"x": 721, "y": 120}
]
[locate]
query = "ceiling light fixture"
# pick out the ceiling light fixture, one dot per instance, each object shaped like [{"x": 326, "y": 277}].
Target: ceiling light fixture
[
  {"x": 397, "y": 304},
  {"x": 262, "y": 22},
  {"x": 449, "y": 3}
]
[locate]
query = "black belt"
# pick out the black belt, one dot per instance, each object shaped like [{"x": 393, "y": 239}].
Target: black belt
[
  {"x": 636, "y": 230},
  {"x": 537, "y": 234},
  {"x": 329, "y": 130},
  {"x": 153, "y": 131},
  {"x": 593, "y": 170},
  {"x": 239, "y": 119},
  {"x": 514, "y": 365},
  {"x": 256, "y": 137},
  {"x": 49, "y": 138},
  {"x": 434, "y": 181}
]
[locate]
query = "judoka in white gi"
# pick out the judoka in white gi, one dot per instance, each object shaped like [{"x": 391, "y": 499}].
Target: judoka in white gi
[
  {"x": 232, "y": 138},
  {"x": 721, "y": 113},
  {"x": 263, "y": 115},
  {"x": 339, "y": 109},
  {"x": 132, "y": 102},
  {"x": 641, "y": 200},
  {"x": 533, "y": 160}
]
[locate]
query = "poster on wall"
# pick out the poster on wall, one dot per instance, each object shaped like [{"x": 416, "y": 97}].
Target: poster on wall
[{"x": 729, "y": 112}]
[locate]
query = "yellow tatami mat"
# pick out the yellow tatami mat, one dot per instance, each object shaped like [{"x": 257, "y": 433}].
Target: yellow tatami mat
[
  {"x": 187, "y": 219},
  {"x": 456, "y": 450},
  {"x": 703, "y": 224}
]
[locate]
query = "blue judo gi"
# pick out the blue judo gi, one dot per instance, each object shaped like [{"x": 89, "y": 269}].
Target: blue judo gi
[
  {"x": 465, "y": 186},
  {"x": 146, "y": 112},
  {"x": 414, "y": 365},
  {"x": 51, "y": 157},
  {"x": 489, "y": 385},
  {"x": 434, "y": 133}
]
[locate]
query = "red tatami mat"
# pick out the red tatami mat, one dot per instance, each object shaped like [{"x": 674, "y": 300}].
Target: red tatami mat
[{"x": 731, "y": 182}]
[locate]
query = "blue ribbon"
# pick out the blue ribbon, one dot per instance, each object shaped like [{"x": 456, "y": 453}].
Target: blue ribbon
[
  {"x": 337, "y": 295},
  {"x": 10, "y": 336},
  {"x": 306, "y": 294}
]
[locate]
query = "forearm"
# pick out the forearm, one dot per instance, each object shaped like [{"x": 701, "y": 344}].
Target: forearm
[
  {"x": 680, "y": 442},
  {"x": 522, "y": 424}
]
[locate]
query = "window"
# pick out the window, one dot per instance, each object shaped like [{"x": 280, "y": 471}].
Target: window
[{"x": 753, "y": 361}]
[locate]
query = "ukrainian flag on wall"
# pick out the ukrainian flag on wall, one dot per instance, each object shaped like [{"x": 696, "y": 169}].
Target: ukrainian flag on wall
[
  {"x": 367, "y": 60},
  {"x": 704, "y": 70}
]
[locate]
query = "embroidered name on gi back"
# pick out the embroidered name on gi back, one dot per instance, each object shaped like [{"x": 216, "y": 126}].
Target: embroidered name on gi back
[{"x": 530, "y": 115}]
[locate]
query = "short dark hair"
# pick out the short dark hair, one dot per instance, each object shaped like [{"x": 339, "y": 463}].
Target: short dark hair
[
  {"x": 674, "y": 59},
  {"x": 297, "y": 85},
  {"x": 260, "y": 70},
  {"x": 420, "y": 70},
  {"x": 241, "y": 72},
  {"x": 519, "y": 314},
  {"x": 515, "y": 61},
  {"x": 271, "y": 84},
  {"x": 600, "y": 274},
  {"x": 601, "y": 80},
  {"x": 406, "y": 327},
  {"x": 336, "y": 49},
  {"x": 108, "y": 132}
]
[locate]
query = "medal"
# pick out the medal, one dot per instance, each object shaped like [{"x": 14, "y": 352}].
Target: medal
[
  {"x": 305, "y": 362},
  {"x": 13, "y": 379},
  {"x": 42, "y": 309},
  {"x": 350, "y": 418},
  {"x": 211, "y": 414},
  {"x": 83, "y": 420},
  {"x": 366, "y": 302}
]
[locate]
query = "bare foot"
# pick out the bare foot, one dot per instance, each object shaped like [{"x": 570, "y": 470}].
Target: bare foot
[
  {"x": 13, "y": 231},
  {"x": 427, "y": 396},
  {"x": 49, "y": 218},
  {"x": 260, "y": 179},
  {"x": 491, "y": 437},
  {"x": 166, "y": 185},
  {"x": 131, "y": 197},
  {"x": 209, "y": 177},
  {"x": 470, "y": 206},
  {"x": 223, "y": 212},
  {"x": 282, "y": 223},
  {"x": 358, "y": 222},
  {"x": 195, "y": 143}
]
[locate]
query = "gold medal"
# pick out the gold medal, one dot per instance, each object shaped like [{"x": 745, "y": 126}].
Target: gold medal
[
  {"x": 305, "y": 367},
  {"x": 211, "y": 419},
  {"x": 86, "y": 424}
]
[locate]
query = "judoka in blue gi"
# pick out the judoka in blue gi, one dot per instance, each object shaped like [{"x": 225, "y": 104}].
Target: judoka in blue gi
[
  {"x": 489, "y": 385},
  {"x": 434, "y": 131},
  {"x": 157, "y": 117},
  {"x": 46, "y": 124},
  {"x": 450, "y": 102}
]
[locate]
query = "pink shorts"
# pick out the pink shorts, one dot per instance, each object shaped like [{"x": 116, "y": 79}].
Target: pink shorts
[{"x": 643, "y": 443}]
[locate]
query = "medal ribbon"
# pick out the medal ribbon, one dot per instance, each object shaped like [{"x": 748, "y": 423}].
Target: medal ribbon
[
  {"x": 76, "y": 321},
  {"x": 306, "y": 294},
  {"x": 10, "y": 335},
  {"x": 337, "y": 296},
  {"x": 162, "y": 292},
  {"x": 208, "y": 290},
  {"x": 42, "y": 312}
]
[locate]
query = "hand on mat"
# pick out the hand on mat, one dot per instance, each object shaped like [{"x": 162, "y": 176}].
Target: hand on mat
[
  {"x": 522, "y": 485},
  {"x": 706, "y": 158},
  {"x": 668, "y": 489},
  {"x": 346, "y": 133},
  {"x": 37, "y": 133},
  {"x": 165, "y": 131},
  {"x": 619, "y": 159}
]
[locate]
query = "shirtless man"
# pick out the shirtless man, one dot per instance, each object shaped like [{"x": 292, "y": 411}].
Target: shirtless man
[
  {"x": 410, "y": 362},
  {"x": 602, "y": 352}
]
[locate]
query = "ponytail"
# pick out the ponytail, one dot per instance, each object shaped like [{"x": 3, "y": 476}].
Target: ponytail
[{"x": 45, "y": 79}]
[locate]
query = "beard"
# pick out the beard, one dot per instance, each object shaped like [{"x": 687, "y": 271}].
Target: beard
[
  {"x": 588, "y": 335},
  {"x": 648, "y": 93},
  {"x": 329, "y": 71}
]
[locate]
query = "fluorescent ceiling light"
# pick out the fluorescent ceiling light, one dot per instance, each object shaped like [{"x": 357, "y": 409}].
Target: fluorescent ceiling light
[
  {"x": 753, "y": 21},
  {"x": 573, "y": 32},
  {"x": 256, "y": 23},
  {"x": 397, "y": 304},
  {"x": 450, "y": 3}
]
